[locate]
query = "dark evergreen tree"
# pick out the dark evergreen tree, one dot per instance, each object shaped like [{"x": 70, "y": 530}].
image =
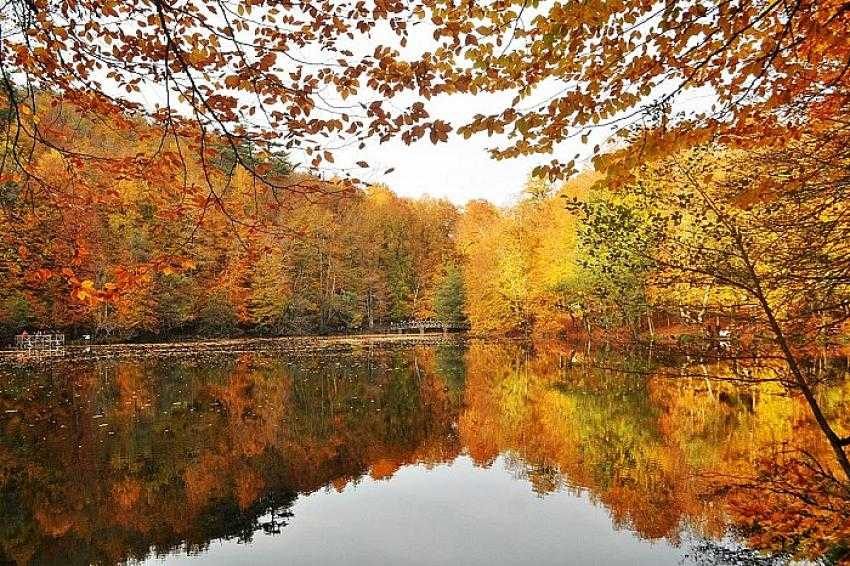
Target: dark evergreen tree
[{"x": 450, "y": 301}]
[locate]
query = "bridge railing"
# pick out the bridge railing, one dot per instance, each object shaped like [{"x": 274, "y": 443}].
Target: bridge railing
[
  {"x": 427, "y": 324},
  {"x": 40, "y": 344}
]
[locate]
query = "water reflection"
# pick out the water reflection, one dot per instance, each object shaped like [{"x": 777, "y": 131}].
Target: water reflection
[{"x": 491, "y": 453}]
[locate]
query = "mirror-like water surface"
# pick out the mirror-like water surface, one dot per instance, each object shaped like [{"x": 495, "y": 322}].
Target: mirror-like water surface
[{"x": 448, "y": 454}]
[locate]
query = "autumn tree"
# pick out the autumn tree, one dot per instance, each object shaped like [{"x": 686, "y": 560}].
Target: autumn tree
[
  {"x": 760, "y": 235},
  {"x": 270, "y": 292},
  {"x": 243, "y": 73},
  {"x": 629, "y": 68},
  {"x": 246, "y": 77},
  {"x": 479, "y": 241},
  {"x": 233, "y": 89}
]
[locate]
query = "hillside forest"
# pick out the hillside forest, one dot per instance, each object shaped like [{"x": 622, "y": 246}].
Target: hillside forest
[
  {"x": 179, "y": 179},
  {"x": 154, "y": 254},
  {"x": 129, "y": 258}
]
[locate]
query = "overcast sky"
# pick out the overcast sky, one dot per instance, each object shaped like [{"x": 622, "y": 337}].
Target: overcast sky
[
  {"x": 462, "y": 170},
  {"x": 459, "y": 170}
]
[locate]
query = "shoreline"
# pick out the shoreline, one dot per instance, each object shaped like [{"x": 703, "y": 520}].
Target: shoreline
[{"x": 226, "y": 346}]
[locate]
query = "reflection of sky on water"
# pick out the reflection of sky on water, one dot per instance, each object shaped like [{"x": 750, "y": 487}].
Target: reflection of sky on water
[{"x": 451, "y": 514}]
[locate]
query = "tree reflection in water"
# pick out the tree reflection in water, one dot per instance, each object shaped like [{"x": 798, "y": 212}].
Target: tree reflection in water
[{"x": 102, "y": 463}]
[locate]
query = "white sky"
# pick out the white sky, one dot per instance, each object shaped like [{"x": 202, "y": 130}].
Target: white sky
[
  {"x": 462, "y": 170},
  {"x": 459, "y": 170}
]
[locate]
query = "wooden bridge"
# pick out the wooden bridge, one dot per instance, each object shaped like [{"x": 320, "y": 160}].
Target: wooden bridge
[
  {"x": 40, "y": 344},
  {"x": 428, "y": 324}
]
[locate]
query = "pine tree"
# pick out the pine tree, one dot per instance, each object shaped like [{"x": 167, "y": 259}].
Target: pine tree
[{"x": 450, "y": 301}]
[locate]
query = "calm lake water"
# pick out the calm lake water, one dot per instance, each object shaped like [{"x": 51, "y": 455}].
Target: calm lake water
[{"x": 480, "y": 453}]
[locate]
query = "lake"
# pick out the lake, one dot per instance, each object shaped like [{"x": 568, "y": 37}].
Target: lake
[{"x": 455, "y": 453}]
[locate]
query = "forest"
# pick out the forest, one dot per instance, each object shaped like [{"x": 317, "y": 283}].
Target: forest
[
  {"x": 719, "y": 227},
  {"x": 137, "y": 259},
  {"x": 180, "y": 180},
  {"x": 130, "y": 255}
]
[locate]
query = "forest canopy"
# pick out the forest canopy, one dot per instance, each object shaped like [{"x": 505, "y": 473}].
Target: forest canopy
[{"x": 281, "y": 77}]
